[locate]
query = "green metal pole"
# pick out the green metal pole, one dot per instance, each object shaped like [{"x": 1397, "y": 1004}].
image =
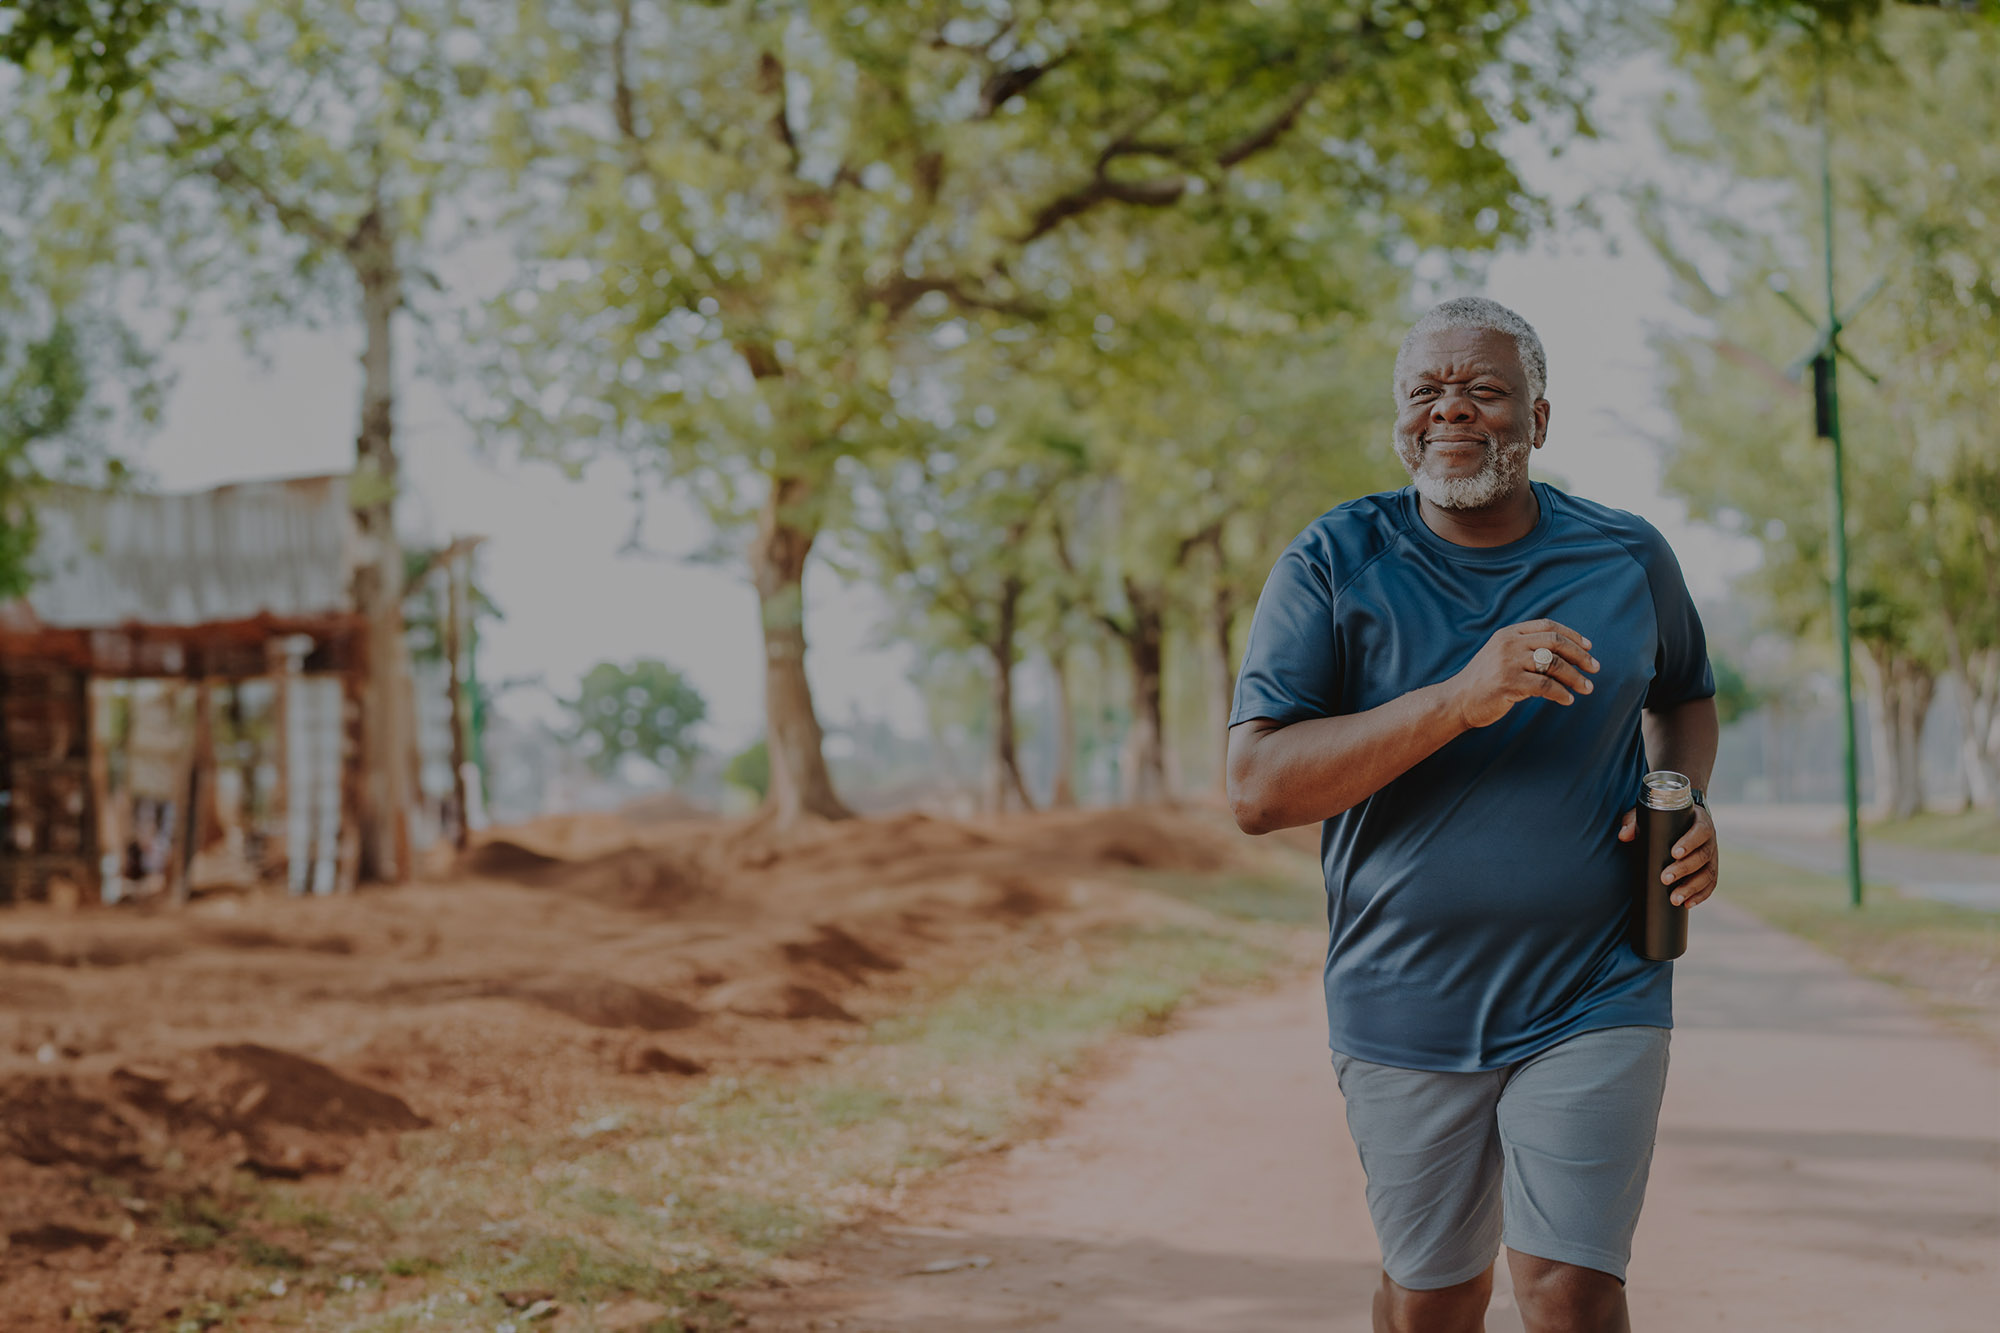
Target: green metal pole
[{"x": 1842, "y": 633}]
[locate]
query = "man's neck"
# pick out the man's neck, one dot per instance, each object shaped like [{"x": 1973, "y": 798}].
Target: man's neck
[{"x": 1507, "y": 519}]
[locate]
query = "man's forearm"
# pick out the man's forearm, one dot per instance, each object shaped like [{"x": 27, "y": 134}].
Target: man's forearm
[
  {"x": 1313, "y": 770},
  {"x": 1683, "y": 739}
]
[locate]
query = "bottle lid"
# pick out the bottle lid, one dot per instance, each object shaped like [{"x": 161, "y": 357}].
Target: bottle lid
[{"x": 1667, "y": 790}]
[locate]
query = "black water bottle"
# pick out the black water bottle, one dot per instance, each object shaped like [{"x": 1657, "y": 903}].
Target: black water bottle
[{"x": 1666, "y": 812}]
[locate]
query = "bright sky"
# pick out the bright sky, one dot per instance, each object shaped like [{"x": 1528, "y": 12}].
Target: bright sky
[{"x": 571, "y": 600}]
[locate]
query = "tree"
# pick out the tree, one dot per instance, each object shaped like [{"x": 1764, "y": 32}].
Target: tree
[
  {"x": 750, "y": 769},
  {"x": 961, "y": 540},
  {"x": 1912, "y": 189},
  {"x": 70, "y": 368},
  {"x": 304, "y": 154},
  {"x": 646, "y": 711},
  {"x": 749, "y": 215}
]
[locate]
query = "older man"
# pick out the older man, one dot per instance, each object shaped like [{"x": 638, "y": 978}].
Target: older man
[{"x": 1466, "y": 680}]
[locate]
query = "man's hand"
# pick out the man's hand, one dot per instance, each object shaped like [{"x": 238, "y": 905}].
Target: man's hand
[
  {"x": 1503, "y": 673},
  {"x": 1695, "y": 867}
]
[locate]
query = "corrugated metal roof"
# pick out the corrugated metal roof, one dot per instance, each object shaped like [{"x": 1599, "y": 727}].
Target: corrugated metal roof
[{"x": 282, "y": 548}]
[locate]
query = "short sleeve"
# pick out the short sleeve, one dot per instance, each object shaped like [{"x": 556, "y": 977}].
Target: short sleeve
[
  {"x": 1680, "y": 665},
  {"x": 1291, "y": 667}
]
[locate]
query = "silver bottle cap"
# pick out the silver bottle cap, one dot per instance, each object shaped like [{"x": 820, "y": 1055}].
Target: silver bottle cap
[{"x": 1667, "y": 790}]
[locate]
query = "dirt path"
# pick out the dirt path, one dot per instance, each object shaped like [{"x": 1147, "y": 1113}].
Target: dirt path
[{"x": 1828, "y": 1159}]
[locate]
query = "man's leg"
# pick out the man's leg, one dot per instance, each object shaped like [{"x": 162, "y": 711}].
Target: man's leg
[
  {"x": 1456, "y": 1309},
  {"x": 1576, "y": 1125},
  {"x": 1431, "y": 1150},
  {"x": 1565, "y": 1298}
]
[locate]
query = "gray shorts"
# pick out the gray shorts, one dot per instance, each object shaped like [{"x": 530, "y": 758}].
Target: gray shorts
[{"x": 1557, "y": 1146}]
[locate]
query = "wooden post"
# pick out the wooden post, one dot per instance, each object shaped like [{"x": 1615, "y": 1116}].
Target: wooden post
[
  {"x": 353, "y": 695},
  {"x": 280, "y": 662},
  {"x": 187, "y": 819},
  {"x": 454, "y": 620},
  {"x": 97, "y": 793}
]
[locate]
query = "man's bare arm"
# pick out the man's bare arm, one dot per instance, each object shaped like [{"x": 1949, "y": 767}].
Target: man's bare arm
[{"x": 1281, "y": 775}]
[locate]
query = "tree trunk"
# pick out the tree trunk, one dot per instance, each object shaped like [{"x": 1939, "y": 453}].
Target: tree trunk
[
  {"x": 1006, "y": 782},
  {"x": 388, "y": 730},
  {"x": 1144, "y": 637},
  {"x": 1978, "y": 678},
  {"x": 1979, "y": 748},
  {"x": 1062, "y": 792},
  {"x": 800, "y": 783},
  {"x": 1222, "y": 668},
  {"x": 1899, "y": 691}
]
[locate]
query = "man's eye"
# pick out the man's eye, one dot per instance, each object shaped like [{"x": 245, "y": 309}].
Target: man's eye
[{"x": 1421, "y": 391}]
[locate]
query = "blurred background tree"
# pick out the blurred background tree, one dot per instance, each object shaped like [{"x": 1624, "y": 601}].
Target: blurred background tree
[
  {"x": 1914, "y": 185},
  {"x": 749, "y": 222},
  {"x": 646, "y": 711}
]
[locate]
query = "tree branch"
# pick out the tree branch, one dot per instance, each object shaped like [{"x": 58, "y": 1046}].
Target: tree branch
[
  {"x": 1103, "y": 188},
  {"x": 1274, "y": 129},
  {"x": 901, "y": 292},
  {"x": 1006, "y": 83},
  {"x": 771, "y": 81}
]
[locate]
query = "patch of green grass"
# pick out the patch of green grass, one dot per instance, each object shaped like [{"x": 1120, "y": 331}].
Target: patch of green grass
[
  {"x": 1946, "y": 955},
  {"x": 1968, "y": 831},
  {"x": 1288, "y": 900},
  {"x": 265, "y": 1254},
  {"x": 194, "y": 1221},
  {"x": 412, "y": 1265}
]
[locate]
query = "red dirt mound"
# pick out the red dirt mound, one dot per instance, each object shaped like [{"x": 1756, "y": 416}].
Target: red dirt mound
[
  {"x": 646, "y": 879},
  {"x": 604, "y": 1003},
  {"x": 50, "y": 1122},
  {"x": 502, "y": 858},
  {"x": 157, "y": 1051},
  {"x": 835, "y": 949}
]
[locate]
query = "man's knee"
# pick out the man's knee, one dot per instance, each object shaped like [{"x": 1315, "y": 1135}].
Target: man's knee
[
  {"x": 1566, "y": 1298},
  {"x": 1460, "y": 1308}
]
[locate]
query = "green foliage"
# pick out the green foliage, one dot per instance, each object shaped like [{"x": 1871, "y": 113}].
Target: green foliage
[
  {"x": 103, "y": 48},
  {"x": 1913, "y": 184},
  {"x": 1735, "y": 696},
  {"x": 647, "y": 711},
  {"x": 750, "y": 769},
  {"x": 780, "y": 261}
]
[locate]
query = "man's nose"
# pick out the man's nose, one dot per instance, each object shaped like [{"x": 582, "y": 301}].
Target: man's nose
[{"x": 1451, "y": 407}]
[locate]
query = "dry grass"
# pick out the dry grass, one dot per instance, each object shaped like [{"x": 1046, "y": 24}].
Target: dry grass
[
  {"x": 1964, "y": 831},
  {"x": 638, "y": 1215}
]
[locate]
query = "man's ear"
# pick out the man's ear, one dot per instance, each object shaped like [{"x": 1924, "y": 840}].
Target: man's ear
[{"x": 1541, "y": 422}]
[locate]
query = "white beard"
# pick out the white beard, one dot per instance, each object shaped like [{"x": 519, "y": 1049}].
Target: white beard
[{"x": 1504, "y": 468}]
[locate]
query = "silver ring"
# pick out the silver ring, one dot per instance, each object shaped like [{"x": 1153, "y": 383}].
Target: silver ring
[{"x": 1543, "y": 658}]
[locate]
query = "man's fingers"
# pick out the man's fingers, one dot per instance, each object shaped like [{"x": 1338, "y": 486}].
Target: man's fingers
[
  {"x": 1700, "y": 833},
  {"x": 1681, "y": 868},
  {"x": 1569, "y": 649},
  {"x": 1628, "y": 827},
  {"x": 1550, "y": 688},
  {"x": 1545, "y": 624},
  {"x": 1568, "y": 675},
  {"x": 1695, "y": 891}
]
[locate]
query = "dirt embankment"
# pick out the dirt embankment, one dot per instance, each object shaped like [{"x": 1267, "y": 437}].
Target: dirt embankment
[{"x": 144, "y": 1057}]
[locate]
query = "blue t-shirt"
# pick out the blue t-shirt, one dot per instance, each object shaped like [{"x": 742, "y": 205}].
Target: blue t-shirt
[{"x": 1477, "y": 904}]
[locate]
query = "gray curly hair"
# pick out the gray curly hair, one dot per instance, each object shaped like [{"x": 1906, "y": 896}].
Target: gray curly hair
[{"x": 1477, "y": 312}]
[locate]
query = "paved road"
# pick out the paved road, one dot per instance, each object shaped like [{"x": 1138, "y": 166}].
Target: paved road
[
  {"x": 1828, "y": 1160},
  {"x": 1814, "y": 838}
]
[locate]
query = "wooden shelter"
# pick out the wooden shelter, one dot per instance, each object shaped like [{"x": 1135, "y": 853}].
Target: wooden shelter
[{"x": 247, "y": 581}]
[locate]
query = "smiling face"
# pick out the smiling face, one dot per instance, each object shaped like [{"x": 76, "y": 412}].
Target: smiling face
[{"x": 1466, "y": 419}]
